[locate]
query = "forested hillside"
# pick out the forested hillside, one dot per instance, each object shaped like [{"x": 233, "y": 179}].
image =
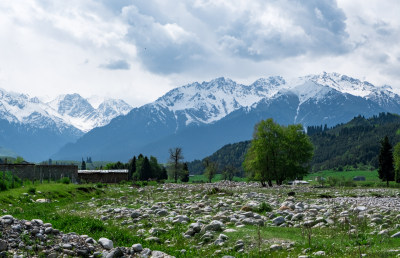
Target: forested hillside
[
  {"x": 355, "y": 143},
  {"x": 230, "y": 154}
]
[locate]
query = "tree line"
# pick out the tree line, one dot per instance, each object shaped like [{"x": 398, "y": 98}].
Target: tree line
[{"x": 354, "y": 144}]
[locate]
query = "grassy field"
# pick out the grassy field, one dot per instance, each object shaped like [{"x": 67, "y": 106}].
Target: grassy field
[
  {"x": 75, "y": 208},
  {"x": 370, "y": 176}
]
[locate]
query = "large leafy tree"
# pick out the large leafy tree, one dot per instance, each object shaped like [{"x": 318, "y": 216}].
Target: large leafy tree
[
  {"x": 229, "y": 172},
  {"x": 278, "y": 153},
  {"x": 210, "y": 170},
  {"x": 385, "y": 158},
  {"x": 174, "y": 164}
]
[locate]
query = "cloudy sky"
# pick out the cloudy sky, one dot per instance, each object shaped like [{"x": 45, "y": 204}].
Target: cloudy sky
[{"x": 137, "y": 50}]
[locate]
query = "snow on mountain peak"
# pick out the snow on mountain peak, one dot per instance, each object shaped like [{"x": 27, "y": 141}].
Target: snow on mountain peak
[
  {"x": 208, "y": 102},
  {"x": 343, "y": 83},
  {"x": 217, "y": 98},
  {"x": 62, "y": 112}
]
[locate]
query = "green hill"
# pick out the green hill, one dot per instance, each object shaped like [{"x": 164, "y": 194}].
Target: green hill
[{"x": 355, "y": 144}]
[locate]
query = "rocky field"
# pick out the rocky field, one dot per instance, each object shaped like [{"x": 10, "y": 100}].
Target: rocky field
[{"x": 224, "y": 219}]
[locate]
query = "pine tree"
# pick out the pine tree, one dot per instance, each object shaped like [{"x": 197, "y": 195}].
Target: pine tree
[
  {"x": 185, "y": 173},
  {"x": 164, "y": 174},
  {"x": 145, "y": 170},
  {"x": 131, "y": 168},
  {"x": 386, "y": 169},
  {"x": 83, "y": 165},
  {"x": 155, "y": 168}
]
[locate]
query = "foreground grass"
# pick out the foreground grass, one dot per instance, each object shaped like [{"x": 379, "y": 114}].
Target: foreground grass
[{"x": 73, "y": 208}]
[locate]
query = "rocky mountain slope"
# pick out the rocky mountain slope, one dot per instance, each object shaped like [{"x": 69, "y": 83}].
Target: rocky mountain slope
[
  {"x": 202, "y": 117},
  {"x": 35, "y": 129}
]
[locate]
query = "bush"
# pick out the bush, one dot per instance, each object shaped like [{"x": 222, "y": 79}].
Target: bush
[
  {"x": 32, "y": 190},
  {"x": 65, "y": 180},
  {"x": 332, "y": 181},
  {"x": 264, "y": 207},
  {"x": 3, "y": 186},
  {"x": 347, "y": 182},
  {"x": 100, "y": 185}
]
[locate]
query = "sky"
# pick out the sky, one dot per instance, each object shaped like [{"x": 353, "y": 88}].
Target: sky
[{"x": 137, "y": 50}]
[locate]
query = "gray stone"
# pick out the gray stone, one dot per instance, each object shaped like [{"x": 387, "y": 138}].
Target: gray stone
[
  {"x": 196, "y": 227},
  {"x": 153, "y": 239},
  {"x": 159, "y": 254},
  {"x": 90, "y": 240},
  {"x": 215, "y": 225},
  {"x": 278, "y": 220},
  {"x": 66, "y": 246},
  {"x": 275, "y": 247},
  {"x": 145, "y": 252},
  {"x": 82, "y": 252},
  {"x": 117, "y": 252},
  {"x": 137, "y": 247},
  {"x": 162, "y": 212},
  {"x": 157, "y": 231},
  {"x": 135, "y": 214},
  {"x": 106, "y": 243},
  {"x": 3, "y": 245},
  {"x": 396, "y": 235}
]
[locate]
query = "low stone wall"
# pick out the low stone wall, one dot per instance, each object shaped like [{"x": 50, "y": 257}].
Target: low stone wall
[{"x": 42, "y": 172}]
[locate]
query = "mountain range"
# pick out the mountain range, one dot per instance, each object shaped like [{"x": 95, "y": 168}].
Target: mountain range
[
  {"x": 36, "y": 129},
  {"x": 202, "y": 117}
]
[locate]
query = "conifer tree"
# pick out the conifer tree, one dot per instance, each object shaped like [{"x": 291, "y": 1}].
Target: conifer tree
[
  {"x": 83, "y": 165},
  {"x": 131, "y": 168},
  {"x": 164, "y": 174},
  {"x": 185, "y": 173},
  {"x": 145, "y": 170},
  {"x": 386, "y": 169}
]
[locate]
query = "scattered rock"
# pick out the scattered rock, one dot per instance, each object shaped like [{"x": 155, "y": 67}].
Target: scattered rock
[{"x": 106, "y": 243}]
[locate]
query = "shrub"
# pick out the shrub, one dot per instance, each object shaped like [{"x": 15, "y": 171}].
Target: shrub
[
  {"x": 99, "y": 185},
  {"x": 213, "y": 190},
  {"x": 65, "y": 180},
  {"x": 32, "y": 190},
  {"x": 332, "y": 181},
  {"x": 3, "y": 186},
  {"x": 264, "y": 207}
]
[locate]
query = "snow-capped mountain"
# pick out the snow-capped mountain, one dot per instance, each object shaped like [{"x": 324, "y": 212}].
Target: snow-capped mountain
[
  {"x": 202, "y": 117},
  {"x": 77, "y": 111},
  {"x": 210, "y": 101},
  {"x": 38, "y": 128}
]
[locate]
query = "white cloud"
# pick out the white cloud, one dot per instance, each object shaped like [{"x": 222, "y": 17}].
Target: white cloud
[{"x": 150, "y": 46}]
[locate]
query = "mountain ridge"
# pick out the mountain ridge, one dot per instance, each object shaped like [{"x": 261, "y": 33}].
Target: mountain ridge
[
  {"x": 35, "y": 129},
  {"x": 202, "y": 117}
]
